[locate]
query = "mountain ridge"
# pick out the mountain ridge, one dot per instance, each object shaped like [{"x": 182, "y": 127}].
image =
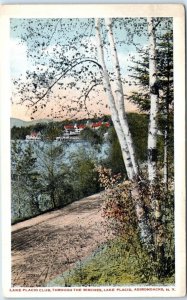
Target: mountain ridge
[{"x": 21, "y": 123}]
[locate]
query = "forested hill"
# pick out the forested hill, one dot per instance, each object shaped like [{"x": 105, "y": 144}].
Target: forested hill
[{"x": 20, "y": 123}]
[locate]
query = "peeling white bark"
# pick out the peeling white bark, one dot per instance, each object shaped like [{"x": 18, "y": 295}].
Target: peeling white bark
[
  {"x": 118, "y": 110},
  {"x": 152, "y": 134},
  {"x": 120, "y": 95},
  {"x": 112, "y": 105},
  {"x": 144, "y": 226},
  {"x": 165, "y": 157}
]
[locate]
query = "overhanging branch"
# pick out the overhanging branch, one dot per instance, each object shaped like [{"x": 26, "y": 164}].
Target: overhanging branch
[{"x": 64, "y": 73}]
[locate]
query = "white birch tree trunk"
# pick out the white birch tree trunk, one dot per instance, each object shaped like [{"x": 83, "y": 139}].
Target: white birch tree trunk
[
  {"x": 120, "y": 96},
  {"x": 166, "y": 158},
  {"x": 144, "y": 226},
  {"x": 153, "y": 87},
  {"x": 166, "y": 129},
  {"x": 112, "y": 105},
  {"x": 152, "y": 140}
]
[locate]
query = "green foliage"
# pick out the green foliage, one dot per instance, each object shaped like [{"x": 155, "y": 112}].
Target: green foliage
[
  {"x": 92, "y": 136},
  {"x": 24, "y": 179},
  {"x": 23, "y": 160},
  {"x": 20, "y": 133},
  {"x": 141, "y": 97},
  {"x": 138, "y": 124},
  {"x": 114, "y": 263},
  {"x": 54, "y": 176},
  {"x": 42, "y": 179},
  {"x": 51, "y": 131},
  {"x": 119, "y": 211},
  {"x": 142, "y": 100},
  {"x": 39, "y": 127},
  {"x": 84, "y": 177},
  {"x": 140, "y": 74},
  {"x": 114, "y": 160},
  {"x": 107, "y": 266}
]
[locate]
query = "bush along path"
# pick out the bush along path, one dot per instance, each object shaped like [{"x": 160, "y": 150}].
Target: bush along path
[{"x": 48, "y": 245}]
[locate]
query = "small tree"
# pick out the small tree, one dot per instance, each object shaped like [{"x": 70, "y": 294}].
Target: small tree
[
  {"x": 84, "y": 177},
  {"x": 53, "y": 172},
  {"x": 24, "y": 177}
]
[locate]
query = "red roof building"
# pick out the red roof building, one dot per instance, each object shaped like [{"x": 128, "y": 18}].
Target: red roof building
[
  {"x": 78, "y": 128},
  {"x": 69, "y": 127},
  {"x": 81, "y": 126},
  {"x": 99, "y": 124}
]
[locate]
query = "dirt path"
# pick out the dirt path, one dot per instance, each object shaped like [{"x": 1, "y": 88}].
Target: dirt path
[{"x": 46, "y": 246}]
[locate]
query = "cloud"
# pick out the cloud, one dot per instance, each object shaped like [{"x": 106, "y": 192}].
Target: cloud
[
  {"x": 125, "y": 59},
  {"x": 51, "y": 50},
  {"x": 18, "y": 58}
]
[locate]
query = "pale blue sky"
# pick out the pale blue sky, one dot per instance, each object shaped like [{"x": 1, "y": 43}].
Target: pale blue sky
[
  {"x": 18, "y": 31},
  {"x": 61, "y": 40}
]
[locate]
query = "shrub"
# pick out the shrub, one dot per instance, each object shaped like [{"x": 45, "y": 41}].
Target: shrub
[{"x": 120, "y": 217}]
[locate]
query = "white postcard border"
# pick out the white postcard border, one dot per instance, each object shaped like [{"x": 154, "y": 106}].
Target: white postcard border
[{"x": 97, "y": 10}]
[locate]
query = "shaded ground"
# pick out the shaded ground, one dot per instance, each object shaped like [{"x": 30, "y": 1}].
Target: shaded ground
[{"x": 47, "y": 245}]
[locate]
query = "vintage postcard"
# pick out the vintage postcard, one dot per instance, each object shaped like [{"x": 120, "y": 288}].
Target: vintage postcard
[{"x": 92, "y": 150}]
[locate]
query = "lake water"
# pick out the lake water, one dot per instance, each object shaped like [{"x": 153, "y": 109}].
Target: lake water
[{"x": 69, "y": 148}]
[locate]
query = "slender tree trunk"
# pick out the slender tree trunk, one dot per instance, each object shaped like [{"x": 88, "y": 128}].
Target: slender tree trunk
[
  {"x": 112, "y": 105},
  {"x": 144, "y": 226},
  {"x": 146, "y": 234},
  {"x": 19, "y": 197},
  {"x": 154, "y": 93},
  {"x": 120, "y": 96},
  {"x": 166, "y": 129},
  {"x": 158, "y": 234},
  {"x": 166, "y": 158}
]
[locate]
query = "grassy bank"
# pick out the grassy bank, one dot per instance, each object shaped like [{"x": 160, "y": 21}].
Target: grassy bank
[{"x": 112, "y": 264}]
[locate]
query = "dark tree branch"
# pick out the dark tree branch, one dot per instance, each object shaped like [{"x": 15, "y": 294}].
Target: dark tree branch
[
  {"x": 87, "y": 94},
  {"x": 155, "y": 25},
  {"x": 64, "y": 73},
  {"x": 59, "y": 20},
  {"x": 90, "y": 89}
]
